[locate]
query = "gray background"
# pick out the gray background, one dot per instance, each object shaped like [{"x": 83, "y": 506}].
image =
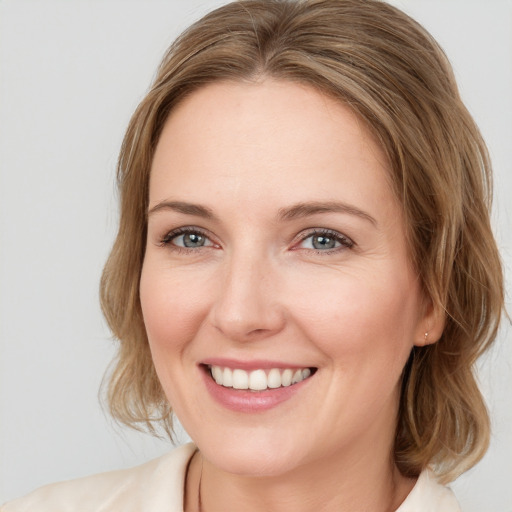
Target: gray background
[{"x": 71, "y": 73}]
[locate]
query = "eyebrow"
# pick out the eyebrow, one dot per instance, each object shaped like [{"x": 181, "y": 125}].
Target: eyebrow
[
  {"x": 296, "y": 211},
  {"x": 306, "y": 209},
  {"x": 183, "y": 207}
]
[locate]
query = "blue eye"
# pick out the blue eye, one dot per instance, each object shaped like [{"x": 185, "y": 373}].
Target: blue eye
[
  {"x": 190, "y": 240},
  {"x": 321, "y": 242},
  {"x": 325, "y": 241},
  {"x": 187, "y": 239}
]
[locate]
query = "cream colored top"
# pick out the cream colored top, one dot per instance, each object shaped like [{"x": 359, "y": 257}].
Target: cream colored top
[{"x": 157, "y": 486}]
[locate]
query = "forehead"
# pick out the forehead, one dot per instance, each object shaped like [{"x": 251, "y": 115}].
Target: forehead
[{"x": 281, "y": 139}]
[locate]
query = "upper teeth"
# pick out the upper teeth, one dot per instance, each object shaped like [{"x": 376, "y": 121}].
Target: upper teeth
[{"x": 258, "y": 380}]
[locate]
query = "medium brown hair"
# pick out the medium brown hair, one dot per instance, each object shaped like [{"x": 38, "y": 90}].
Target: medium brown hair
[{"x": 396, "y": 78}]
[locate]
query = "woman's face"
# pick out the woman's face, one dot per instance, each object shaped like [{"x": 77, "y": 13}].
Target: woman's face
[{"x": 276, "y": 249}]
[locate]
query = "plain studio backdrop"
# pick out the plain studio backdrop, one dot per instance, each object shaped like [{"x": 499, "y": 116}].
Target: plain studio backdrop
[{"x": 71, "y": 74}]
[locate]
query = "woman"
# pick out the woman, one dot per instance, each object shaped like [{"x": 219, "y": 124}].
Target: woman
[{"x": 304, "y": 270}]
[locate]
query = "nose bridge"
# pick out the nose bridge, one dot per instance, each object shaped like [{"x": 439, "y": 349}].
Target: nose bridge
[{"x": 247, "y": 305}]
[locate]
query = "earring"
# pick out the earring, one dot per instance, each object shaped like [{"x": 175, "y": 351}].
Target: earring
[{"x": 425, "y": 338}]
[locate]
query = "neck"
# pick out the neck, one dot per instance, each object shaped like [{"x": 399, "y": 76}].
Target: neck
[{"x": 340, "y": 482}]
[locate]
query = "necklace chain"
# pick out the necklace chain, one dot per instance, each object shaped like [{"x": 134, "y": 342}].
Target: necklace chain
[{"x": 199, "y": 502}]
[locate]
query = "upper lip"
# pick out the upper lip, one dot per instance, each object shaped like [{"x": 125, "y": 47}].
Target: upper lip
[{"x": 253, "y": 364}]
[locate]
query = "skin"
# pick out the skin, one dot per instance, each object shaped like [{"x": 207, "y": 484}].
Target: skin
[{"x": 258, "y": 289}]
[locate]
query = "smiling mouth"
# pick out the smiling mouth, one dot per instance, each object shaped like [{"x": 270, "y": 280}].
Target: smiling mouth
[{"x": 258, "y": 380}]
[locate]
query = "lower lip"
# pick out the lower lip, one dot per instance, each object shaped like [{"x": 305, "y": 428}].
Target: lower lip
[{"x": 241, "y": 400}]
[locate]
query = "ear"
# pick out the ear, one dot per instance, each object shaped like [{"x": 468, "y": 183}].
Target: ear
[{"x": 430, "y": 324}]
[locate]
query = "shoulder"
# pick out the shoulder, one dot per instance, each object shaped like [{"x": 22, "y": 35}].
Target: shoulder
[
  {"x": 429, "y": 495},
  {"x": 155, "y": 486}
]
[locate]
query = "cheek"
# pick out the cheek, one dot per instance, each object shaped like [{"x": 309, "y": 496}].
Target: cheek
[
  {"x": 367, "y": 315},
  {"x": 172, "y": 306}
]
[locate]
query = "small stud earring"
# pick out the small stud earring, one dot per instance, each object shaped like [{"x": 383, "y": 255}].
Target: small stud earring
[{"x": 426, "y": 336}]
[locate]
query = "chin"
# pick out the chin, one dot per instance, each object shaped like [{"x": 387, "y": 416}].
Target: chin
[{"x": 253, "y": 457}]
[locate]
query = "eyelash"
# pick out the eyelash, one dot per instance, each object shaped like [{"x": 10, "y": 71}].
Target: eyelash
[
  {"x": 166, "y": 241},
  {"x": 344, "y": 241}
]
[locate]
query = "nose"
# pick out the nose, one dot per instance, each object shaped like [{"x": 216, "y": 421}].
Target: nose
[{"x": 248, "y": 306}]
